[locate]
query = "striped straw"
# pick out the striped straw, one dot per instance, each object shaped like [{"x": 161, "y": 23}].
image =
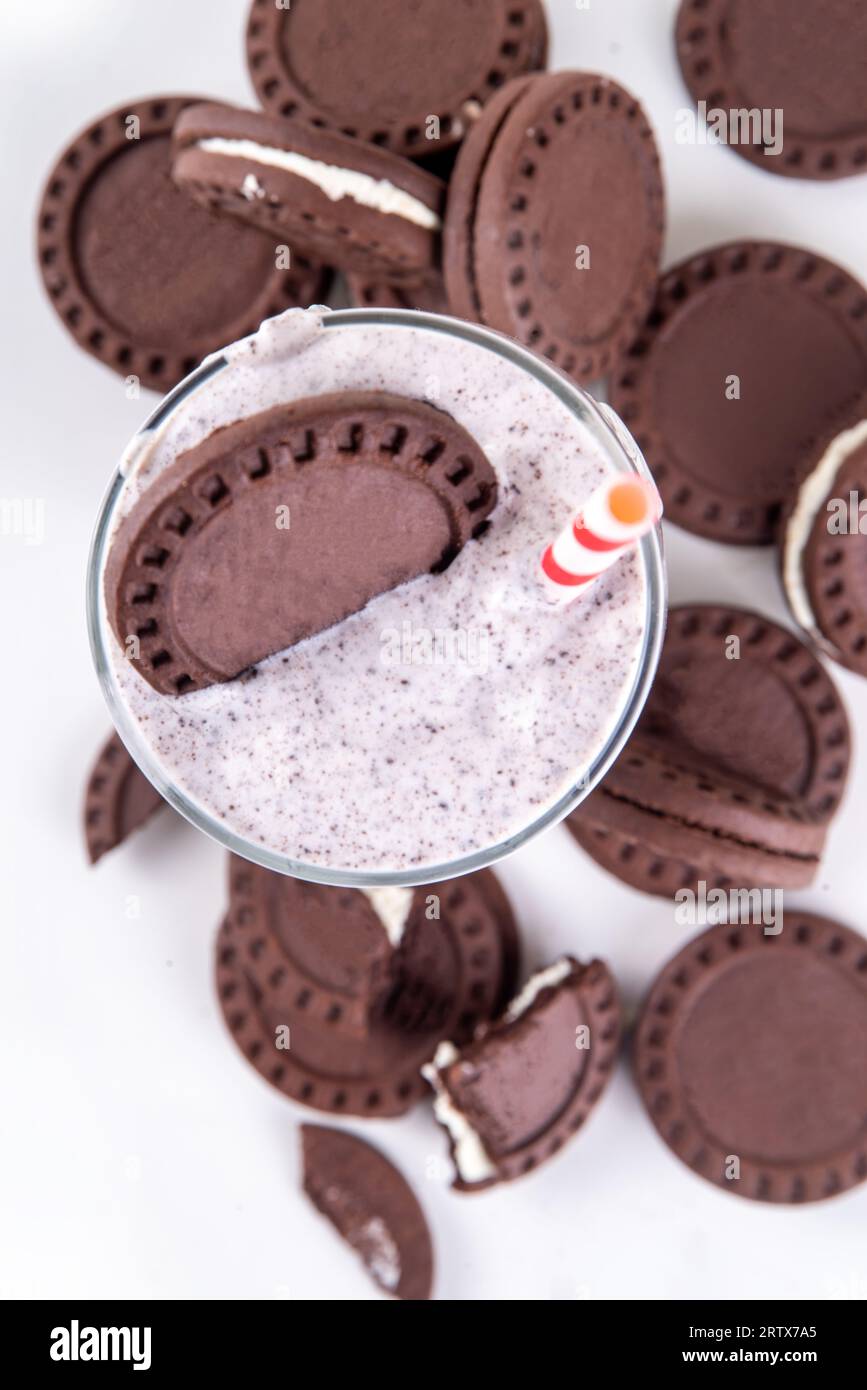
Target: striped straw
[{"x": 612, "y": 520}]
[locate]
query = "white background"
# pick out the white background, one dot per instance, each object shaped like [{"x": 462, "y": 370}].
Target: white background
[{"x": 141, "y": 1155}]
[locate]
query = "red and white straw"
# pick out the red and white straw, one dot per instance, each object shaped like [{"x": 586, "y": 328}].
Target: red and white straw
[{"x": 612, "y": 520}]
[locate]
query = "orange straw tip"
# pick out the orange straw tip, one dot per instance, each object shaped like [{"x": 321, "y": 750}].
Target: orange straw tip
[{"x": 632, "y": 501}]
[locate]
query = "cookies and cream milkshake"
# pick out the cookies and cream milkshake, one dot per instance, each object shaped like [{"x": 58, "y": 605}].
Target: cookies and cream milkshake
[{"x": 450, "y": 711}]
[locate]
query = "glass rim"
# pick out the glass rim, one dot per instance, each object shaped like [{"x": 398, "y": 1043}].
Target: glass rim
[{"x": 621, "y": 451}]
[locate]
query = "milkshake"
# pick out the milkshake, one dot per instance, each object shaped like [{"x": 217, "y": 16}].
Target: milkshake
[{"x": 449, "y": 717}]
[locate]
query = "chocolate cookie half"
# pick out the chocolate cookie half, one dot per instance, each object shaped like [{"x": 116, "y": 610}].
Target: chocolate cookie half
[
  {"x": 284, "y": 523},
  {"x": 751, "y": 350},
  {"x": 349, "y": 203},
  {"x": 511, "y": 1099},
  {"x": 407, "y": 77},
  {"x": 331, "y": 949},
  {"x": 142, "y": 278},
  {"x": 737, "y": 765},
  {"x": 350, "y": 957},
  {"x": 801, "y": 64},
  {"x": 317, "y": 1044},
  {"x": 119, "y": 799},
  {"x": 371, "y": 1205},
  {"x": 555, "y": 219},
  {"x": 823, "y": 545},
  {"x": 751, "y": 1058}
]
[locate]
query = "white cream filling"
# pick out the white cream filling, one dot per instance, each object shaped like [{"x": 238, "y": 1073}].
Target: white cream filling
[
  {"x": 391, "y": 906},
  {"x": 380, "y": 1252},
  {"x": 330, "y": 179},
  {"x": 252, "y": 188},
  {"x": 811, "y": 495},
  {"x": 543, "y": 979},
  {"x": 470, "y": 1155}
]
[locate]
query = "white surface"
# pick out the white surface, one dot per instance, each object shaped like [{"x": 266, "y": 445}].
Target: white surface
[{"x": 141, "y": 1156}]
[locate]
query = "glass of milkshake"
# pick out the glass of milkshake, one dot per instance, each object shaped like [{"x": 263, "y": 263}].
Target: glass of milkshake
[{"x": 452, "y": 717}]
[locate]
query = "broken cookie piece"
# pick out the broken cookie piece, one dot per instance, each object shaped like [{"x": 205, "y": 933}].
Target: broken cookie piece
[
  {"x": 372, "y": 1207},
  {"x": 118, "y": 800},
  {"x": 330, "y": 1012},
  {"x": 513, "y": 1097}
]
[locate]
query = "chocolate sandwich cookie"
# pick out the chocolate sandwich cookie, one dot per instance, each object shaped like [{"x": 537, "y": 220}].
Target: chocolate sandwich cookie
[
  {"x": 407, "y": 77},
  {"x": 751, "y": 1058},
  {"x": 555, "y": 219},
  {"x": 430, "y": 296},
  {"x": 690, "y": 824},
  {"x": 142, "y": 278},
  {"x": 350, "y": 957},
  {"x": 352, "y": 204},
  {"x": 511, "y": 1099},
  {"x": 372, "y": 1206},
  {"x": 119, "y": 799},
  {"x": 751, "y": 350},
  {"x": 450, "y": 975},
  {"x": 737, "y": 765},
  {"x": 801, "y": 64},
  {"x": 203, "y": 575},
  {"x": 823, "y": 545}
]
